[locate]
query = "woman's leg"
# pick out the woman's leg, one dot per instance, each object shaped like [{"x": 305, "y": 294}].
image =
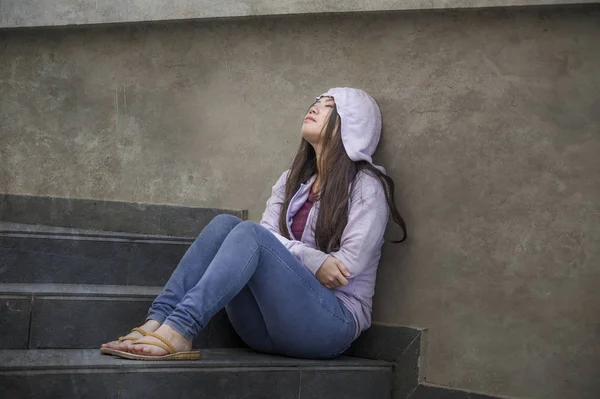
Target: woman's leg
[
  {"x": 297, "y": 317},
  {"x": 187, "y": 273},
  {"x": 302, "y": 317},
  {"x": 247, "y": 320},
  {"x": 192, "y": 266}
]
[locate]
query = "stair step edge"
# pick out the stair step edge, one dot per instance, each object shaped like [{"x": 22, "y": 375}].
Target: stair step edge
[
  {"x": 9, "y": 229},
  {"x": 91, "y": 290},
  {"x": 14, "y": 360}
]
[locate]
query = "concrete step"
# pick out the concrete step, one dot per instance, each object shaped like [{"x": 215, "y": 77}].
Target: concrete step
[
  {"x": 221, "y": 373},
  {"x": 44, "y": 254},
  {"x": 103, "y": 215},
  {"x": 85, "y": 316}
]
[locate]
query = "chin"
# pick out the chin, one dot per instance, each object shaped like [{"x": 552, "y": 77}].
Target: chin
[{"x": 311, "y": 137}]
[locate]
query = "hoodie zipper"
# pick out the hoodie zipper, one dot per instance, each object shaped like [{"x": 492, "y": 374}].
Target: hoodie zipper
[
  {"x": 308, "y": 225},
  {"x": 287, "y": 215}
]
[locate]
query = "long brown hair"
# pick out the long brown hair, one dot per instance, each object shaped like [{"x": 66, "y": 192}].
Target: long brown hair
[{"x": 340, "y": 172}]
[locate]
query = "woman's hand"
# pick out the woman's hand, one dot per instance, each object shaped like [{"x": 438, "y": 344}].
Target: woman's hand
[{"x": 332, "y": 273}]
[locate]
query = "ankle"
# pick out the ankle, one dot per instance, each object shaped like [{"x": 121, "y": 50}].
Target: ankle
[
  {"x": 171, "y": 334},
  {"x": 150, "y": 325}
]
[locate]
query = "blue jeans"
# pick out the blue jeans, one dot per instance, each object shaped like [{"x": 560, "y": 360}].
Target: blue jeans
[{"x": 274, "y": 303}]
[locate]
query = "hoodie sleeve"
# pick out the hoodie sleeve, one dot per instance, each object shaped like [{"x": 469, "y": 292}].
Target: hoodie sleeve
[
  {"x": 310, "y": 257},
  {"x": 362, "y": 238}
]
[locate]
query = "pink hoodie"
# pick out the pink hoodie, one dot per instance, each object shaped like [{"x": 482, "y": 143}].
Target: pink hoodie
[{"x": 362, "y": 239}]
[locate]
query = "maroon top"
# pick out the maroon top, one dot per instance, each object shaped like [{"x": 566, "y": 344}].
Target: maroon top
[{"x": 299, "y": 219}]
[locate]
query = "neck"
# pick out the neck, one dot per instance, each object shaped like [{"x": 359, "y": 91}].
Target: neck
[
  {"x": 316, "y": 187},
  {"x": 318, "y": 154},
  {"x": 317, "y": 183}
]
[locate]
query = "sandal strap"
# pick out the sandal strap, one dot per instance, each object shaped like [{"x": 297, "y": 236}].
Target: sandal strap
[
  {"x": 168, "y": 346},
  {"x": 137, "y": 329},
  {"x": 126, "y": 338},
  {"x": 163, "y": 339},
  {"x": 159, "y": 344}
]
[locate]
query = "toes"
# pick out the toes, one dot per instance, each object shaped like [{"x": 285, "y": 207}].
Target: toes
[
  {"x": 154, "y": 351},
  {"x": 146, "y": 350}
]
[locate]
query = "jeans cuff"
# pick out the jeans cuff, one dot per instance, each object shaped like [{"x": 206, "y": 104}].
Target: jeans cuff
[{"x": 156, "y": 317}]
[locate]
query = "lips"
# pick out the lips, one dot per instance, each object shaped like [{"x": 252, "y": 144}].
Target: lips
[{"x": 309, "y": 118}]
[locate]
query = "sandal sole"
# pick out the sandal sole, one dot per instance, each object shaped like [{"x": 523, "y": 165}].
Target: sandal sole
[{"x": 195, "y": 355}]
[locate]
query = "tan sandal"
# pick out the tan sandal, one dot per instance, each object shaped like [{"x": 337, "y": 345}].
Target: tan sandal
[
  {"x": 172, "y": 353},
  {"x": 109, "y": 351}
]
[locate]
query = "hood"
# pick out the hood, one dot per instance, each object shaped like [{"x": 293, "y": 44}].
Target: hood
[{"x": 361, "y": 122}]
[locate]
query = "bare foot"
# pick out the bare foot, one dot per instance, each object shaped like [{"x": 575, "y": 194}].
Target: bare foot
[
  {"x": 177, "y": 340},
  {"x": 150, "y": 325}
]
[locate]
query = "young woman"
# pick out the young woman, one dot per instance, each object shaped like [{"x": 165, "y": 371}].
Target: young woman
[{"x": 301, "y": 282}]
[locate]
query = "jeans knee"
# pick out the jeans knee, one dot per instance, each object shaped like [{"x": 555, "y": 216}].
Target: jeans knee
[
  {"x": 248, "y": 228},
  {"x": 226, "y": 220},
  {"x": 220, "y": 226},
  {"x": 246, "y": 225}
]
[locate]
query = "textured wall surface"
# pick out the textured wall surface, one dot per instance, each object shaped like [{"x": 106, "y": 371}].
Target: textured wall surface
[
  {"x": 29, "y": 13},
  {"x": 491, "y": 132}
]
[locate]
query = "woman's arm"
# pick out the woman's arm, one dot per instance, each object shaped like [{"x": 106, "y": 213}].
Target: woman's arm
[{"x": 362, "y": 238}]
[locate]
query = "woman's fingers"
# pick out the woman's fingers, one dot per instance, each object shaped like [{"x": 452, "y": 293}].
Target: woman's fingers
[
  {"x": 332, "y": 274},
  {"x": 333, "y": 281},
  {"x": 336, "y": 279},
  {"x": 339, "y": 277},
  {"x": 342, "y": 269},
  {"x": 341, "y": 280}
]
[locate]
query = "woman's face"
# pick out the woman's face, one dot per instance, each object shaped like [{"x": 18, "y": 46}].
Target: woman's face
[{"x": 316, "y": 119}]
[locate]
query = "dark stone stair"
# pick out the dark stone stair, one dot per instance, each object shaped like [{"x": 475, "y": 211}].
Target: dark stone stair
[
  {"x": 61, "y": 316},
  {"x": 221, "y": 373},
  {"x": 65, "y": 291},
  {"x": 47, "y": 254}
]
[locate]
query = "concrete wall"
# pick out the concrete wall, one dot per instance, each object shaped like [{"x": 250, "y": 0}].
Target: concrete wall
[
  {"x": 491, "y": 131},
  {"x": 34, "y": 13}
]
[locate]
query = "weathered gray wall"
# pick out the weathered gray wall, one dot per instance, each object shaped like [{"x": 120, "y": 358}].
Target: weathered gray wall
[
  {"x": 491, "y": 131},
  {"x": 30, "y": 13}
]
